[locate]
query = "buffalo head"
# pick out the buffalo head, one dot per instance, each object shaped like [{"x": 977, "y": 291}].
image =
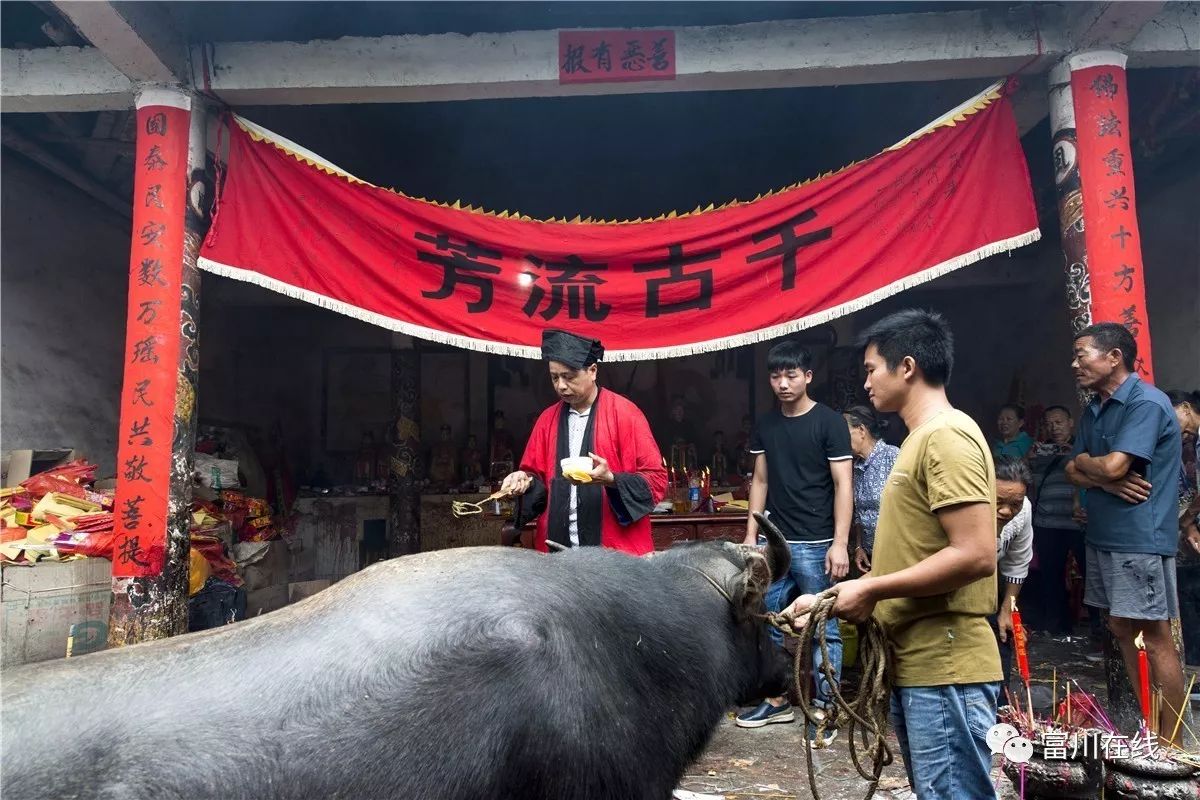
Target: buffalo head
[{"x": 742, "y": 574}]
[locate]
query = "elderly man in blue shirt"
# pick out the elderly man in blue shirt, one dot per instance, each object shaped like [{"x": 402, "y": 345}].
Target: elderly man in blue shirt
[{"x": 1127, "y": 453}]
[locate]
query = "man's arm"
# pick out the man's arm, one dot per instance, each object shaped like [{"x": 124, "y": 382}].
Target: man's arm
[
  {"x": 969, "y": 556},
  {"x": 758, "y": 497},
  {"x": 837, "y": 560},
  {"x": 1075, "y": 476},
  {"x": 1103, "y": 469},
  {"x": 1133, "y": 442},
  {"x": 1130, "y": 487}
]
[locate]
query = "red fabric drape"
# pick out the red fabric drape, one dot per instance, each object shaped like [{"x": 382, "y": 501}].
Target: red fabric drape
[{"x": 700, "y": 281}]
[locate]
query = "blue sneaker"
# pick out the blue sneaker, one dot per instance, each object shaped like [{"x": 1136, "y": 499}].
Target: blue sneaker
[
  {"x": 766, "y": 714},
  {"x": 828, "y": 735},
  {"x": 828, "y": 729}
]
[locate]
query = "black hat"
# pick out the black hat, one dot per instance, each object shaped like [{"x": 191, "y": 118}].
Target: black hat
[{"x": 567, "y": 348}]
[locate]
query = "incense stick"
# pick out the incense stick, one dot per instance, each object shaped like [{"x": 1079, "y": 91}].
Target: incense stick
[
  {"x": 1029, "y": 705},
  {"x": 1179, "y": 714},
  {"x": 1054, "y": 696}
]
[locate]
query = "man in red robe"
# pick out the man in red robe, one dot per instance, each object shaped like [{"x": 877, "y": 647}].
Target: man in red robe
[{"x": 627, "y": 476}]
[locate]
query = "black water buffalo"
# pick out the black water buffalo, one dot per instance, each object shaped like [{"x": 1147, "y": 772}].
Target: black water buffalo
[{"x": 466, "y": 675}]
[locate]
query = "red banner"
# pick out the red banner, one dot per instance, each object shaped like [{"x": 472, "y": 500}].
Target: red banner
[
  {"x": 152, "y": 338},
  {"x": 1114, "y": 245},
  {"x": 953, "y": 193},
  {"x": 615, "y": 56}
]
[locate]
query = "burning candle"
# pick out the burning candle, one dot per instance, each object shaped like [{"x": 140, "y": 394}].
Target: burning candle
[{"x": 1143, "y": 678}]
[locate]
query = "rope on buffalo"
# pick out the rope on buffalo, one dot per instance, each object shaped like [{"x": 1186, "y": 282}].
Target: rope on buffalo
[{"x": 867, "y": 711}]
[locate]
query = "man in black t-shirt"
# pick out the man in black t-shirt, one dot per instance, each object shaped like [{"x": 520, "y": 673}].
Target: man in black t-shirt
[{"x": 802, "y": 479}]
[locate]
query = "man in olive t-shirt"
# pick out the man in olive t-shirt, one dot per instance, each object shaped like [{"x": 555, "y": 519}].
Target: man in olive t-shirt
[
  {"x": 945, "y": 638},
  {"x": 932, "y": 583}
]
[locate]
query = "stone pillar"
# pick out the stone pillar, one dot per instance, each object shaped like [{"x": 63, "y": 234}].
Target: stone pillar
[
  {"x": 1070, "y": 198},
  {"x": 406, "y": 470},
  {"x": 158, "y": 398}
]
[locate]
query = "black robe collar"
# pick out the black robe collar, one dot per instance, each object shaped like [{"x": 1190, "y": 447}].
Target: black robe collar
[{"x": 589, "y": 497}]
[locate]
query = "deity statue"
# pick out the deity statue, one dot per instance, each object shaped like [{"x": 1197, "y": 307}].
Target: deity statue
[
  {"x": 443, "y": 460},
  {"x": 502, "y": 455},
  {"x": 680, "y": 439},
  {"x": 718, "y": 460},
  {"x": 745, "y": 459},
  {"x": 471, "y": 459}
]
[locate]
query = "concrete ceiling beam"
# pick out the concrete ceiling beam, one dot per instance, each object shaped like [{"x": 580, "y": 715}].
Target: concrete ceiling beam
[
  {"x": 1109, "y": 24},
  {"x": 139, "y": 39},
  {"x": 66, "y": 79},
  {"x": 761, "y": 55},
  {"x": 978, "y": 43},
  {"x": 1154, "y": 34}
]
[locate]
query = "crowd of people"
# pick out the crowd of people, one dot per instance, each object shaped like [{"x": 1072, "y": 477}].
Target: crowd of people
[
  {"x": 937, "y": 538},
  {"x": 1098, "y": 514}
]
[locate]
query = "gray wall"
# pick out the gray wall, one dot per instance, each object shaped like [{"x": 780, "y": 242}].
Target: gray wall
[{"x": 62, "y": 315}]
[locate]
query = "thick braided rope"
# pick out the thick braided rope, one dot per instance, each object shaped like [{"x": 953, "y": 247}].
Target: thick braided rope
[{"x": 867, "y": 711}]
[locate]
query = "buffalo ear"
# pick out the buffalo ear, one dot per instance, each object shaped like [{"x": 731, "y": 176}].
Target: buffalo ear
[{"x": 779, "y": 555}]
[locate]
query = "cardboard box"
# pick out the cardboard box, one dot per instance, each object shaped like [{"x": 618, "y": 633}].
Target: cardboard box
[
  {"x": 302, "y": 589},
  {"x": 266, "y": 599},
  {"x": 271, "y": 570},
  {"x": 39, "y": 605}
]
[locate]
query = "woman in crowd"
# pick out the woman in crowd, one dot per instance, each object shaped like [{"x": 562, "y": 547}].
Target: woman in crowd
[
  {"x": 1014, "y": 547},
  {"x": 873, "y": 461},
  {"x": 1057, "y": 534},
  {"x": 1013, "y": 441},
  {"x": 1187, "y": 411}
]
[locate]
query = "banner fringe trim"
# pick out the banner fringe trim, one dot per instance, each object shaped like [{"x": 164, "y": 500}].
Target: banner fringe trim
[
  {"x": 674, "y": 351},
  {"x": 948, "y": 120}
]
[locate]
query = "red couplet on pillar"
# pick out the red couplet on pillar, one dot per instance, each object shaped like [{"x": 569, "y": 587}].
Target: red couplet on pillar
[
  {"x": 152, "y": 339},
  {"x": 1114, "y": 246}
]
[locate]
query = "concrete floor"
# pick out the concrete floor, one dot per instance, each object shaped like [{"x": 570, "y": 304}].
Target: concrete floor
[{"x": 769, "y": 762}]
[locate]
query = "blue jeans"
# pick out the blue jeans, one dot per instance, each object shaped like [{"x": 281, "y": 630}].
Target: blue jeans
[
  {"x": 807, "y": 574},
  {"x": 942, "y": 732}
]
